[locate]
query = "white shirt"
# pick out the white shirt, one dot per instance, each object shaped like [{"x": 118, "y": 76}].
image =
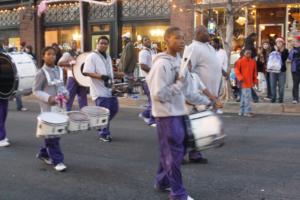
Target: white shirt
[
  {"x": 96, "y": 63},
  {"x": 206, "y": 65},
  {"x": 222, "y": 56},
  {"x": 145, "y": 57},
  {"x": 66, "y": 57}
]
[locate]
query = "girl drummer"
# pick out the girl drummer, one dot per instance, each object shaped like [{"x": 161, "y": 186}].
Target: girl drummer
[{"x": 48, "y": 84}]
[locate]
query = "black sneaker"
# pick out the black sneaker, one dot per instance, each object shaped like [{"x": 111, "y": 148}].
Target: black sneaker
[
  {"x": 199, "y": 161},
  {"x": 105, "y": 138}
]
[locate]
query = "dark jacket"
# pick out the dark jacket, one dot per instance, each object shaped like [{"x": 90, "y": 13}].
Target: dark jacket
[
  {"x": 128, "y": 59},
  {"x": 284, "y": 57}
]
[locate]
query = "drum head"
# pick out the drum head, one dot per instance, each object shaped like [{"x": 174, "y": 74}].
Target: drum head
[
  {"x": 8, "y": 81},
  {"x": 95, "y": 111},
  {"x": 53, "y": 118},
  {"x": 77, "y": 71},
  {"x": 77, "y": 116}
]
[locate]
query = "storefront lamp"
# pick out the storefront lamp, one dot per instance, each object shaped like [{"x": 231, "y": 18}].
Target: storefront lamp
[
  {"x": 76, "y": 36},
  {"x": 241, "y": 21},
  {"x": 139, "y": 37}
]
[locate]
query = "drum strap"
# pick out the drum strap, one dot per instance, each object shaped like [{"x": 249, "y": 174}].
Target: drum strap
[{"x": 55, "y": 81}]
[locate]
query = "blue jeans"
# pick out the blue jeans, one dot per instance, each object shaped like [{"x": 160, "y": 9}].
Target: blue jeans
[
  {"x": 277, "y": 79},
  {"x": 245, "y": 104},
  {"x": 19, "y": 102}
]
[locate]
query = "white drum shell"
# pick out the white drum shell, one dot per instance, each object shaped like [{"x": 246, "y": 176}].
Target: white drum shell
[
  {"x": 77, "y": 71},
  {"x": 46, "y": 130},
  {"x": 76, "y": 126},
  {"x": 99, "y": 118},
  {"x": 207, "y": 129}
]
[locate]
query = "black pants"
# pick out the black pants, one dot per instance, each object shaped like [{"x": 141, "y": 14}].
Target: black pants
[{"x": 296, "y": 82}]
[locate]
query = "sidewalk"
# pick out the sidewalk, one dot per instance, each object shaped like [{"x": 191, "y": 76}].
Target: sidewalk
[{"x": 229, "y": 107}]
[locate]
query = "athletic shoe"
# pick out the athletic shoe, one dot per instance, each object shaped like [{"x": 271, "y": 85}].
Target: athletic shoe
[
  {"x": 249, "y": 115},
  {"x": 24, "y": 109},
  {"x": 219, "y": 111},
  {"x": 46, "y": 160},
  {"x": 105, "y": 138},
  {"x": 146, "y": 120},
  {"x": 199, "y": 161},
  {"x": 241, "y": 114},
  {"x": 189, "y": 198},
  {"x": 60, "y": 167},
  {"x": 295, "y": 102},
  {"x": 4, "y": 143},
  {"x": 153, "y": 125},
  {"x": 160, "y": 189}
]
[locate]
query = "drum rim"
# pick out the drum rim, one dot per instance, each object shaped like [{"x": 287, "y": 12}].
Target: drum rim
[
  {"x": 78, "y": 121},
  {"x": 74, "y": 74},
  {"x": 16, "y": 78}
]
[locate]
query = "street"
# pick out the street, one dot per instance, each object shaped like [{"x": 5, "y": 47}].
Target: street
[{"x": 259, "y": 161}]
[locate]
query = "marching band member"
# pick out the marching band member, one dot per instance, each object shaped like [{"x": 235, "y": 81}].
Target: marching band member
[
  {"x": 68, "y": 60},
  {"x": 3, "y": 114},
  {"x": 168, "y": 94},
  {"x": 98, "y": 66},
  {"x": 145, "y": 60},
  {"x": 48, "y": 84}
]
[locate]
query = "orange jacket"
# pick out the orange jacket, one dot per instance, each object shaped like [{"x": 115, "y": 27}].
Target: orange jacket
[{"x": 246, "y": 72}]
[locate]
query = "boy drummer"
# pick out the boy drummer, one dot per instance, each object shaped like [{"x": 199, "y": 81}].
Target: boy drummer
[
  {"x": 168, "y": 94},
  {"x": 48, "y": 84}
]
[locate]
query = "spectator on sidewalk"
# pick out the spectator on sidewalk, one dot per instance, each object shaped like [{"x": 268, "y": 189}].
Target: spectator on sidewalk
[
  {"x": 294, "y": 56},
  {"x": 261, "y": 66},
  {"x": 278, "y": 79},
  {"x": 267, "y": 49},
  {"x": 246, "y": 74}
]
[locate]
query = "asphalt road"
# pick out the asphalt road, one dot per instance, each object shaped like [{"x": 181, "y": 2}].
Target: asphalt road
[{"x": 261, "y": 160}]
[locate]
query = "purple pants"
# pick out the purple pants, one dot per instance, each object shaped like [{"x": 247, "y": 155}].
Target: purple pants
[
  {"x": 52, "y": 150},
  {"x": 75, "y": 89},
  {"x": 148, "y": 112},
  {"x": 112, "y": 104},
  {"x": 171, "y": 135},
  {"x": 3, "y": 115}
]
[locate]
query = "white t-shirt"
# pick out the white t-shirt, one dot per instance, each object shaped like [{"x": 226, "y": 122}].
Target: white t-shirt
[
  {"x": 206, "y": 65},
  {"x": 145, "y": 57},
  {"x": 222, "y": 56},
  {"x": 66, "y": 57},
  {"x": 96, "y": 63}
]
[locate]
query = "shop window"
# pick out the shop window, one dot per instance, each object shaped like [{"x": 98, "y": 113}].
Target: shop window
[
  {"x": 62, "y": 36},
  {"x": 155, "y": 32},
  {"x": 101, "y": 28}
]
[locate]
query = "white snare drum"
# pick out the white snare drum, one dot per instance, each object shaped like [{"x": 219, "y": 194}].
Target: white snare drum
[
  {"x": 17, "y": 73},
  {"x": 98, "y": 116},
  {"x": 78, "y": 121},
  {"x": 206, "y": 129},
  {"x": 51, "y": 124},
  {"x": 78, "y": 68}
]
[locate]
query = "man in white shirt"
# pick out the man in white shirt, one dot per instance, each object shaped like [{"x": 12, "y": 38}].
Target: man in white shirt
[
  {"x": 68, "y": 60},
  {"x": 145, "y": 60},
  {"x": 98, "y": 66},
  {"x": 223, "y": 58}
]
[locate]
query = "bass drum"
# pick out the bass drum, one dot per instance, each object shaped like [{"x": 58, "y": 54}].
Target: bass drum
[
  {"x": 17, "y": 74},
  {"x": 77, "y": 71}
]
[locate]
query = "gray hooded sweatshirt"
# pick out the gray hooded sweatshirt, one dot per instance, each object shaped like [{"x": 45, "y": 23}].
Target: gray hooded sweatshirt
[{"x": 168, "y": 94}]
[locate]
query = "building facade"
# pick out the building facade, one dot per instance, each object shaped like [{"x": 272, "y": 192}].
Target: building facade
[{"x": 60, "y": 24}]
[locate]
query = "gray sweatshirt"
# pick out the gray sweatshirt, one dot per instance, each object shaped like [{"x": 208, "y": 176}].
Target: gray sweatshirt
[
  {"x": 168, "y": 95},
  {"x": 44, "y": 86}
]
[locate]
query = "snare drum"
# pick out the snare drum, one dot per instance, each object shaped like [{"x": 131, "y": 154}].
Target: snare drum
[
  {"x": 98, "y": 116},
  {"x": 78, "y": 121},
  {"x": 51, "y": 124},
  {"x": 205, "y": 130}
]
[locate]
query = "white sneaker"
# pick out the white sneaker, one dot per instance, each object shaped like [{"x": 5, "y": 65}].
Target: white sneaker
[
  {"x": 153, "y": 125},
  {"x": 295, "y": 102},
  {"x": 146, "y": 120},
  {"x": 24, "y": 109},
  {"x": 4, "y": 143},
  {"x": 60, "y": 167},
  {"x": 189, "y": 198},
  {"x": 219, "y": 111},
  {"x": 6, "y": 139}
]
